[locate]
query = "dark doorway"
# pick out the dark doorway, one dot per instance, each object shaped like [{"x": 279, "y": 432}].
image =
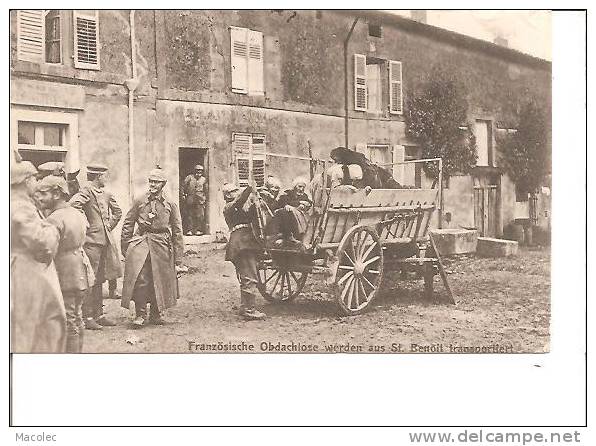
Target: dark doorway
[
  {"x": 37, "y": 157},
  {"x": 188, "y": 158}
]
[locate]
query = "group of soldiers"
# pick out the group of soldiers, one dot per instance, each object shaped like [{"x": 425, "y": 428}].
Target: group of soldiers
[{"x": 63, "y": 250}]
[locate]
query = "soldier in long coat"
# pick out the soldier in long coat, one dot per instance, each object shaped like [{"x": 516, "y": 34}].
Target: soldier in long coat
[
  {"x": 37, "y": 317},
  {"x": 152, "y": 251},
  {"x": 103, "y": 214},
  {"x": 74, "y": 269}
]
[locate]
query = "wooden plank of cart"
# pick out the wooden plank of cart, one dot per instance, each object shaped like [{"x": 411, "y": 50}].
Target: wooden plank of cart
[{"x": 353, "y": 240}]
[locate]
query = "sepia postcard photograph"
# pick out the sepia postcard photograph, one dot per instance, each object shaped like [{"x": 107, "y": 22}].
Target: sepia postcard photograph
[{"x": 280, "y": 181}]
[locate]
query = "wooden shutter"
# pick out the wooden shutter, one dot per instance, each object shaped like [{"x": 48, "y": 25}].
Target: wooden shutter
[
  {"x": 255, "y": 63},
  {"x": 258, "y": 159},
  {"x": 86, "y": 39},
  {"x": 360, "y": 99},
  {"x": 241, "y": 143},
  {"x": 395, "y": 88},
  {"x": 31, "y": 35},
  {"x": 239, "y": 59}
]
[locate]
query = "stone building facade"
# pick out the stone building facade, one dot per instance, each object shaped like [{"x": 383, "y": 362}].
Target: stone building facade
[{"x": 133, "y": 89}]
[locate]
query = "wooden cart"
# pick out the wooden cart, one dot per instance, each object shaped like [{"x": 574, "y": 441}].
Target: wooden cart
[{"x": 353, "y": 240}]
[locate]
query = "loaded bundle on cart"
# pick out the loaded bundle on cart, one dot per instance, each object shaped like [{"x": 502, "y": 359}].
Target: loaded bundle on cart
[{"x": 358, "y": 230}]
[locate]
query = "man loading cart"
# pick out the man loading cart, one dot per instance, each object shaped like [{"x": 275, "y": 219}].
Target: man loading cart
[{"x": 242, "y": 249}]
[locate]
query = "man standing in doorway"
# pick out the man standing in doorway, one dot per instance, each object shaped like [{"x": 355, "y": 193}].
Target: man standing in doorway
[
  {"x": 152, "y": 253},
  {"x": 195, "y": 197},
  {"x": 103, "y": 214}
]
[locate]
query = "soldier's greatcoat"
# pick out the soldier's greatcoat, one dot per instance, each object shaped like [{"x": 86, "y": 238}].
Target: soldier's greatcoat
[
  {"x": 158, "y": 234},
  {"x": 38, "y": 321},
  {"x": 103, "y": 214}
]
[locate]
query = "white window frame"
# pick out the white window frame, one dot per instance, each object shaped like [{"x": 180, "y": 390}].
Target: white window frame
[
  {"x": 71, "y": 137},
  {"x": 94, "y": 14}
]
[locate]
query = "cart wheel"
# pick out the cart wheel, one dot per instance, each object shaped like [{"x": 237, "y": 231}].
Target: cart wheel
[
  {"x": 278, "y": 284},
  {"x": 360, "y": 269}
]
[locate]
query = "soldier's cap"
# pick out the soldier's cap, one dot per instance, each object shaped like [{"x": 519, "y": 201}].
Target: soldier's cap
[
  {"x": 20, "y": 171},
  {"x": 96, "y": 168},
  {"x": 51, "y": 166},
  {"x": 229, "y": 187},
  {"x": 157, "y": 175},
  {"x": 52, "y": 182},
  {"x": 199, "y": 167}
]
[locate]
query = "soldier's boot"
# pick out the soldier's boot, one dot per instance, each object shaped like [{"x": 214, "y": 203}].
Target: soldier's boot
[
  {"x": 247, "y": 308},
  {"x": 72, "y": 343},
  {"x": 141, "y": 317},
  {"x": 155, "y": 316},
  {"x": 91, "y": 324}
]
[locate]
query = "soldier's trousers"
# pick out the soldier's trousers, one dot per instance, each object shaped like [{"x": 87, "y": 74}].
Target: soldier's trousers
[
  {"x": 144, "y": 291},
  {"x": 246, "y": 271},
  {"x": 195, "y": 217},
  {"x": 73, "y": 303},
  {"x": 93, "y": 304}
]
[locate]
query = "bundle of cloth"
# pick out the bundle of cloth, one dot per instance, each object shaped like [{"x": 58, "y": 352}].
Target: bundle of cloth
[{"x": 353, "y": 168}]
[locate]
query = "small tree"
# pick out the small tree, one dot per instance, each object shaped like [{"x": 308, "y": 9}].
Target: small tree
[
  {"x": 437, "y": 119},
  {"x": 526, "y": 153}
]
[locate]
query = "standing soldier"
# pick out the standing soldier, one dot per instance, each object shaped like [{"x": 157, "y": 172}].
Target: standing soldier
[
  {"x": 195, "y": 197},
  {"x": 152, "y": 253},
  {"x": 103, "y": 214},
  {"x": 37, "y": 318},
  {"x": 74, "y": 270},
  {"x": 243, "y": 248}
]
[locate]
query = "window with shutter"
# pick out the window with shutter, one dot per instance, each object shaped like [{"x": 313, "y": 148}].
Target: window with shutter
[
  {"x": 360, "y": 93},
  {"x": 241, "y": 144},
  {"x": 255, "y": 63},
  {"x": 239, "y": 59},
  {"x": 86, "y": 39},
  {"x": 395, "y": 88},
  {"x": 31, "y": 35},
  {"x": 246, "y": 61}
]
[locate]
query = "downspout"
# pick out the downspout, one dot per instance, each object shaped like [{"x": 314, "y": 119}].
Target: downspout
[
  {"x": 346, "y": 88},
  {"x": 131, "y": 85}
]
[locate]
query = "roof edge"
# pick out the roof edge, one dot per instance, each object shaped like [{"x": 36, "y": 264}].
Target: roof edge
[{"x": 446, "y": 35}]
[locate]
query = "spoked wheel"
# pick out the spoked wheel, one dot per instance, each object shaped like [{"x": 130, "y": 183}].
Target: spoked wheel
[
  {"x": 277, "y": 284},
  {"x": 360, "y": 269}
]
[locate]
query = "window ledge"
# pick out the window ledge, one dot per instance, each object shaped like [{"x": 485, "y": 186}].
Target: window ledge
[{"x": 58, "y": 70}]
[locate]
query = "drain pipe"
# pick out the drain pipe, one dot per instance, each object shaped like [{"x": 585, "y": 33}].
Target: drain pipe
[
  {"x": 346, "y": 87},
  {"x": 131, "y": 85}
]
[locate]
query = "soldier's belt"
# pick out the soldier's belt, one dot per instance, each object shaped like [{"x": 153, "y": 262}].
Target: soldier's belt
[{"x": 240, "y": 226}]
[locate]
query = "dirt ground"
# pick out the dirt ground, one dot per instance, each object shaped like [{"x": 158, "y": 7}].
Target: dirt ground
[{"x": 503, "y": 305}]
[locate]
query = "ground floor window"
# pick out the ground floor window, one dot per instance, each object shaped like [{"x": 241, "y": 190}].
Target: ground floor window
[
  {"x": 242, "y": 146},
  {"x": 43, "y": 136}
]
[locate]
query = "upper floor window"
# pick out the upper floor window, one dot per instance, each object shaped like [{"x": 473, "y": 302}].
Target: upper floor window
[
  {"x": 368, "y": 85},
  {"x": 41, "y": 36},
  {"x": 53, "y": 37},
  {"x": 86, "y": 39},
  {"x": 246, "y": 61},
  {"x": 483, "y": 133}
]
